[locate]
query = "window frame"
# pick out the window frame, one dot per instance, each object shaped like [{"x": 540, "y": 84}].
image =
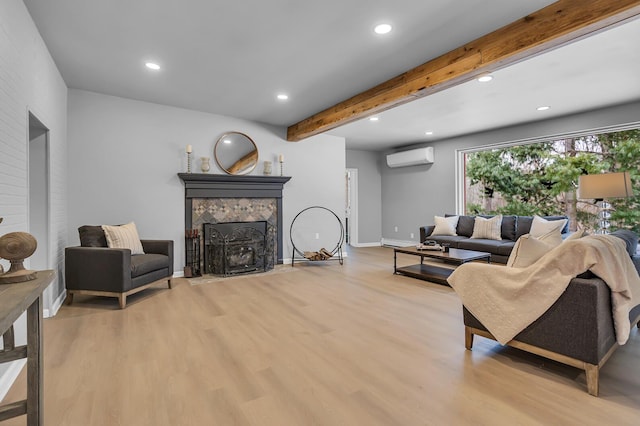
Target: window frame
[{"x": 460, "y": 156}]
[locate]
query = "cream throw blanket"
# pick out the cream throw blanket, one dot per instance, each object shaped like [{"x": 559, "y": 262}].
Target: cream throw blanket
[{"x": 506, "y": 300}]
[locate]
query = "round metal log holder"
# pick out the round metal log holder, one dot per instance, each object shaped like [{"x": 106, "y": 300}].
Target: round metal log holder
[{"x": 335, "y": 251}]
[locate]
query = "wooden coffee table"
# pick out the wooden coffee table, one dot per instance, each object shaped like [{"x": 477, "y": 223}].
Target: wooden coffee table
[{"x": 435, "y": 273}]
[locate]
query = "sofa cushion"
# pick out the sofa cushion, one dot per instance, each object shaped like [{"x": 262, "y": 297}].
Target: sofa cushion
[
  {"x": 630, "y": 238},
  {"x": 92, "y": 236},
  {"x": 566, "y": 224},
  {"x": 508, "y": 228},
  {"x": 479, "y": 244},
  {"x": 529, "y": 248},
  {"x": 505, "y": 248},
  {"x": 445, "y": 225},
  {"x": 523, "y": 225},
  {"x": 465, "y": 225},
  {"x": 488, "y": 228},
  {"x": 144, "y": 263},
  {"x": 541, "y": 226},
  {"x": 123, "y": 236}
]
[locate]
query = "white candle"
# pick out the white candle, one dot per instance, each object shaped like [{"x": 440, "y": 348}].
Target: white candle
[
  {"x": 281, "y": 158},
  {"x": 189, "y": 149}
]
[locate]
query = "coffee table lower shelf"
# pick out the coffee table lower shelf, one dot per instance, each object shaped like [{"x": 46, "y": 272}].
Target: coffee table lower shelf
[
  {"x": 431, "y": 272},
  {"x": 426, "y": 272}
]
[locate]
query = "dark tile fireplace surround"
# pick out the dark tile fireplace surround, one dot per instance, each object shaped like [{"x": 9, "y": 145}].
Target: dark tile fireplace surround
[{"x": 213, "y": 199}]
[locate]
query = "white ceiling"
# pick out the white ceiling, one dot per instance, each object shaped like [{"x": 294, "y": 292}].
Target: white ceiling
[
  {"x": 233, "y": 57},
  {"x": 599, "y": 71}
]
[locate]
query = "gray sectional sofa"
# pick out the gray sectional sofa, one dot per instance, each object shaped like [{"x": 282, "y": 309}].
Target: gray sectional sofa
[
  {"x": 513, "y": 227},
  {"x": 577, "y": 329}
]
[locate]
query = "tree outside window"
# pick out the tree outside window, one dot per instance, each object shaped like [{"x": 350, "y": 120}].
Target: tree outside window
[{"x": 542, "y": 178}]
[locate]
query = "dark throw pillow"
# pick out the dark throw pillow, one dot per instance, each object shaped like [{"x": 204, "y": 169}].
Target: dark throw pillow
[
  {"x": 92, "y": 236},
  {"x": 465, "y": 225}
]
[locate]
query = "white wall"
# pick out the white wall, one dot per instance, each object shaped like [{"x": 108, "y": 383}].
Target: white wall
[
  {"x": 125, "y": 156},
  {"x": 411, "y": 196},
  {"x": 30, "y": 81},
  {"x": 369, "y": 195}
]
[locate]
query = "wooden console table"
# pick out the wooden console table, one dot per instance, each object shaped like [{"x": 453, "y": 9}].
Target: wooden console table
[{"x": 14, "y": 300}]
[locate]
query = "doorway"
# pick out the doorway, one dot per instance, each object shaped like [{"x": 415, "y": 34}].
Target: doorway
[
  {"x": 39, "y": 192},
  {"x": 351, "y": 207}
]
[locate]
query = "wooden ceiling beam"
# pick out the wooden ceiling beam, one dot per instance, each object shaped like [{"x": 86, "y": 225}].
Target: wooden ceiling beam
[{"x": 562, "y": 22}]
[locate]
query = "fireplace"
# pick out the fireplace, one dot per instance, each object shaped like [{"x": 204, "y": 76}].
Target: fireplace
[
  {"x": 219, "y": 199},
  {"x": 237, "y": 248}
]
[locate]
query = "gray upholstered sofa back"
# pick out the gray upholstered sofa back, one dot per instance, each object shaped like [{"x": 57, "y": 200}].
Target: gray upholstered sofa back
[{"x": 513, "y": 227}]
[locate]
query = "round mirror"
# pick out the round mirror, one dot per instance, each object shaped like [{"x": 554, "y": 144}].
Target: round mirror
[{"x": 236, "y": 153}]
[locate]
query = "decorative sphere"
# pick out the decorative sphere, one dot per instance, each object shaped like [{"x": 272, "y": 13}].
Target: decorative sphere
[{"x": 17, "y": 245}]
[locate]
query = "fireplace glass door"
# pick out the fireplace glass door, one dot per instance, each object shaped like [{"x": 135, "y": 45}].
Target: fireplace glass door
[{"x": 236, "y": 248}]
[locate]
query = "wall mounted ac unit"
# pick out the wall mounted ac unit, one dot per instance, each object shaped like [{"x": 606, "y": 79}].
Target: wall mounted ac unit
[{"x": 411, "y": 158}]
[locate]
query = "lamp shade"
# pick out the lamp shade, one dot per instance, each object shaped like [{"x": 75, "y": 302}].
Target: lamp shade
[{"x": 606, "y": 185}]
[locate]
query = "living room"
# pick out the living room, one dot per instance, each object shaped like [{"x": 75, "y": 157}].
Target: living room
[{"x": 114, "y": 160}]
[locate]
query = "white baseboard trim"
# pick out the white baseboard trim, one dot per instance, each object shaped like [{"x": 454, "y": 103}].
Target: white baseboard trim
[
  {"x": 10, "y": 376},
  {"x": 48, "y": 313},
  {"x": 178, "y": 274},
  {"x": 378, "y": 244},
  {"x": 398, "y": 243}
]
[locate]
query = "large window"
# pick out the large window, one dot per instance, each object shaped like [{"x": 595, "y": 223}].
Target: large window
[{"x": 541, "y": 178}]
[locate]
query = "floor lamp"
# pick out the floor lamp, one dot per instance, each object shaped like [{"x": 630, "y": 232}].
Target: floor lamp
[{"x": 604, "y": 187}]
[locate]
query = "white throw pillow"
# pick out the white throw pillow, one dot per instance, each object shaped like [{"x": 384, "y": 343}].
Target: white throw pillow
[
  {"x": 123, "y": 236},
  {"x": 528, "y": 249},
  {"x": 541, "y": 226},
  {"x": 445, "y": 225},
  {"x": 489, "y": 229}
]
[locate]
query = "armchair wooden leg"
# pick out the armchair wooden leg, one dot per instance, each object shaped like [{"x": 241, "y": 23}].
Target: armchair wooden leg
[
  {"x": 468, "y": 338},
  {"x": 169, "y": 282},
  {"x": 69, "y": 299},
  {"x": 593, "y": 377},
  {"x": 122, "y": 299}
]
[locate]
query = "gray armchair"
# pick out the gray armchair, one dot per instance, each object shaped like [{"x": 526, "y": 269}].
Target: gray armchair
[{"x": 101, "y": 271}]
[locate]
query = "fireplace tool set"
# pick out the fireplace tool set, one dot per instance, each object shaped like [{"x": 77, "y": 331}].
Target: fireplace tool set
[{"x": 192, "y": 251}]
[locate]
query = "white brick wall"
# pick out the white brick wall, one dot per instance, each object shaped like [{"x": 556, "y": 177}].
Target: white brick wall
[{"x": 30, "y": 82}]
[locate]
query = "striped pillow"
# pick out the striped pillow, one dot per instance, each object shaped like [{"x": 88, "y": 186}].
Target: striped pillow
[
  {"x": 123, "y": 236},
  {"x": 487, "y": 228}
]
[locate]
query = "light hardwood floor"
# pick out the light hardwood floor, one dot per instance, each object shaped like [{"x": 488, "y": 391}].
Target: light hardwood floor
[{"x": 323, "y": 344}]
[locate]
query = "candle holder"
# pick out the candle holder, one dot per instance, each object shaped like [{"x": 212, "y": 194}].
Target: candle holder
[
  {"x": 281, "y": 168},
  {"x": 204, "y": 164},
  {"x": 188, "y": 162},
  {"x": 267, "y": 168}
]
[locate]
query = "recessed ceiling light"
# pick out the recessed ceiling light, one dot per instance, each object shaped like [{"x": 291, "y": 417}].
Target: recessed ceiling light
[
  {"x": 282, "y": 97},
  {"x": 485, "y": 78},
  {"x": 152, "y": 66},
  {"x": 374, "y": 118},
  {"x": 543, "y": 108},
  {"x": 382, "y": 29},
  {"x": 428, "y": 133}
]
